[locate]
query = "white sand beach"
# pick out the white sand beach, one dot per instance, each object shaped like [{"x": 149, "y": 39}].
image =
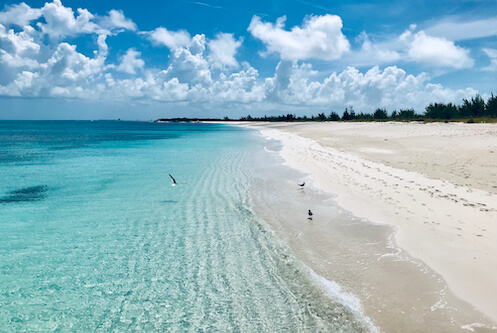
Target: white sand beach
[{"x": 435, "y": 183}]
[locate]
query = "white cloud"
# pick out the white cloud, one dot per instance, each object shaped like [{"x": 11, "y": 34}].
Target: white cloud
[
  {"x": 435, "y": 51},
  {"x": 392, "y": 88},
  {"x": 67, "y": 73},
  {"x": 492, "y": 54},
  {"x": 171, "y": 39},
  {"x": 19, "y": 15},
  {"x": 130, "y": 62},
  {"x": 374, "y": 53},
  {"x": 188, "y": 64},
  {"x": 56, "y": 63},
  {"x": 419, "y": 47},
  {"x": 290, "y": 83},
  {"x": 68, "y": 66},
  {"x": 320, "y": 37},
  {"x": 25, "y": 79},
  {"x": 21, "y": 86},
  {"x": 240, "y": 87},
  {"x": 189, "y": 79},
  {"x": 223, "y": 50},
  {"x": 17, "y": 49},
  {"x": 20, "y": 43},
  {"x": 149, "y": 88},
  {"x": 459, "y": 28},
  {"x": 14, "y": 61},
  {"x": 117, "y": 20},
  {"x": 61, "y": 21},
  {"x": 206, "y": 72}
]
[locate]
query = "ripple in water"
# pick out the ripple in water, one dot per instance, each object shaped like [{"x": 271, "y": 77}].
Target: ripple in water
[
  {"x": 119, "y": 249},
  {"x": 30, "y": 193}
]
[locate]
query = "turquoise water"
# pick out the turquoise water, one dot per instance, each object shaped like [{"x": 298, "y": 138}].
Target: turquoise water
[{"x": 93, "y": 237}]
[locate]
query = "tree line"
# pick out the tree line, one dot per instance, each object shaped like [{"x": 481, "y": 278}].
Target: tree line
[{"x": 476, "y": 107}]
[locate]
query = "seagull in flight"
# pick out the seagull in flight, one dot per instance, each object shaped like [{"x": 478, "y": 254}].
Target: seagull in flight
[
  {"x": 302, "y": 185},
  {"x": 174, "y": 180}
]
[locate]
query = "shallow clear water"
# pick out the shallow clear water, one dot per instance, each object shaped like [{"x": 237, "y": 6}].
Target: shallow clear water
[{"x": 93, "y": 237}]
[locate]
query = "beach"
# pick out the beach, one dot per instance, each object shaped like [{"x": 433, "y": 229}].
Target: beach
[
  {"x": 434, "y": 185},
  {"x": 94, "y": 237}
]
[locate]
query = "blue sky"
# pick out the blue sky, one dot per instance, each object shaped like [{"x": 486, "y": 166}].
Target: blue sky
[{"x": 215, "y": 58}]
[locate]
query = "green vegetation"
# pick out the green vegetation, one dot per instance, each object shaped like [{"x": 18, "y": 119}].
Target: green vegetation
[{"x": 470, "y": 111}]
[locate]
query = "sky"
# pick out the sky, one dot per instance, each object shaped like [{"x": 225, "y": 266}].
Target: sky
[{"x": 150, "y": 59}]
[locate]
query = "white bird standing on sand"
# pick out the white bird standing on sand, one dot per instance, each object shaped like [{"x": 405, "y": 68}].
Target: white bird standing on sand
[
  {"x": 310, "y": 215},
  {"x": 174, "y": 180}
]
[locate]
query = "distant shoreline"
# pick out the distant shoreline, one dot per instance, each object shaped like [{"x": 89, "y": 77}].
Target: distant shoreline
[{"x": 310, "y": 120}]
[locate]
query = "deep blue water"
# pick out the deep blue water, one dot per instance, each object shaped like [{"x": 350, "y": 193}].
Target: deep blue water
[{"x": 93, "y": 237}]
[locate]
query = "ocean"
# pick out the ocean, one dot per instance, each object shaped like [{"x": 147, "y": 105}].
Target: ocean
[{"x": 93, "y": 237}]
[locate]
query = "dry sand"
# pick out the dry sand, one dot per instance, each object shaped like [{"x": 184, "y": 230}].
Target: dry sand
[{"x": 435, "y": 183}]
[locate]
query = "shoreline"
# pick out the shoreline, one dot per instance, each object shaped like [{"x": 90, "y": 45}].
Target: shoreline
[{"x": 372, "y": 170}]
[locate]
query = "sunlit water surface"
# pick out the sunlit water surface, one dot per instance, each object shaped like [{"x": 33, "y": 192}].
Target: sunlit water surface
[{"x": 93, "y": 237}]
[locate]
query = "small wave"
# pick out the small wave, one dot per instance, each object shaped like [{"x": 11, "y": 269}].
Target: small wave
[
  {"x": 335, "y": 292},
  {"x": 471, "y": 327}
]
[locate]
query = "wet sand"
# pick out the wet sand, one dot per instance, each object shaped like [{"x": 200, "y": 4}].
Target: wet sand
[{"x": 415, "y": 239}]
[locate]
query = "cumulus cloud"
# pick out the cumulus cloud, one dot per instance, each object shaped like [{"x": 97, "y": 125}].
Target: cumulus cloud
[
  {"x": 25, "y": 79},
  {"x": 391, "y": 87},
  {"x": 117, "y": 20},
  {"x": 411, "y": 46},
  {"x": 171, "y": 39},
  {"x": 239, "y": 87},
  {"x": 189, "y": 79},
  {"x": 290, "y": 83},
  {"x": 374, "y": 53},
  {"x": 61, "y": 21},
  {"x": 21, "y": 86},
  {"x": 492, "y": 54},
  {"x": 19, "y": 15},
  {"x": 223, "y": 50},
  {"x": 39, "y": 57},
  {"x": 435, "y": 51},
  {"x": 189, "y": 65},
  {"x": 67, "y": 73},
  {"x": 19, "y": 49},
  {"x": 21, "y": 43},
  {"x": 130, "y": 62},
  {"x": 150, "y": 88},
  {"x": 67, "y": 66},
  {"x": 56, "y": 64},
  {"x": 320, "y": 37}
]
